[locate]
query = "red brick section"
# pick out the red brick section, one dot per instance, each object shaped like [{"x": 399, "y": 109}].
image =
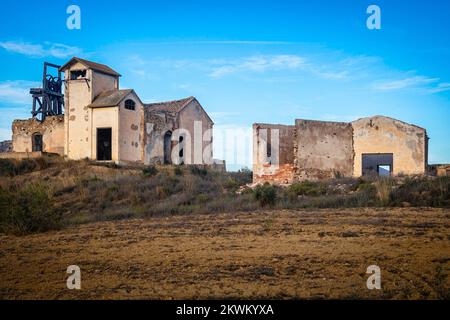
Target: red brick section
[{"x": 284, "y": 175}]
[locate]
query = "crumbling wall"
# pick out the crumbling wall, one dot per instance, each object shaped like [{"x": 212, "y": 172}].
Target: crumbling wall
[
  {"x": 51, "y": 129},
  {"x": 156, "y": 124},
  {"x": 440, "y": 170},
  {"x": 323, "y": 149},
  {"x": 273, "y": 153},
  {"x": 407, "y": 143}
]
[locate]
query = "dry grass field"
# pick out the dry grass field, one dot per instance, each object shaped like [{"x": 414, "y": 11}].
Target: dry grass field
[{"x": 274, "y": 254}]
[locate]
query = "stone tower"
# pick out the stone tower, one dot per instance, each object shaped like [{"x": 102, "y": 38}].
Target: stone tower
[{"x": 84, "y": 81}]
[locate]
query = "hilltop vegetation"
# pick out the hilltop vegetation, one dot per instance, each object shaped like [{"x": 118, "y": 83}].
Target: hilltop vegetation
[{"x": 48, "y": 193}]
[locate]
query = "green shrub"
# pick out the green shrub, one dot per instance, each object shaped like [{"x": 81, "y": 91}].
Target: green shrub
[
  {"x": 242, "y": 177},
  {"x": 178, "y": 170},
  {"x": 198, "y": 170},
  {"x": 307, "y": 188},
  {"x": 27, "y": 210},
  {"x": 266, "y": 194},
  {"x": 7, "y": 168},
  {"x": 12, "y": 167},
  {"x": 422, "y": 192},
  {"x": 150, "y": 171},
  {"x": 231, "y": 184}
]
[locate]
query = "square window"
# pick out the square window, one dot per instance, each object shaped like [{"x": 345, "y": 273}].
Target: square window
[
  {"x": 77, "y": 74},
  {"x": 384, "y": 170}
]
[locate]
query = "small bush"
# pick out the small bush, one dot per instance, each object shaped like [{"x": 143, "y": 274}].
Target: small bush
[
  {"x": 150, "y": 171},
  {"x": 422, "y": 191},
  {"x": 7, "y": 168},
  {"x": 12, "y": 167},
  {"x": 199, "y": 171},
  {"x": 266, "y": 194},
  {"x": 178, "y": 170},
  {"x": 384, "y": 188},
  {"x": 27, "y": 210},
  {"x": 242, "y": 177},
  {"x": 307, "y": 188}
]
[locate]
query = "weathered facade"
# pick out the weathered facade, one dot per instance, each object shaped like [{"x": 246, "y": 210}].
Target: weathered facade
[
  {"x": 404, "y": 145},
  {"x": 105, "y": 123},
  {"x": 33, "y": 136},
  {"x": 312, "y": 150},
  {"x": 182, "y": 122}
]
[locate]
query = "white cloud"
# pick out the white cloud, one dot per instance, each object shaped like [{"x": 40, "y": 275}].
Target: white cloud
[
  {"x": 256, "y": 64},
  {"x": 17, "y": 91},
  {"x": 48, "y": 49},
  {"x": 441, "y": 87},
  {"x": 410, "y": 82},
  {"x": 421, "y": 83}
]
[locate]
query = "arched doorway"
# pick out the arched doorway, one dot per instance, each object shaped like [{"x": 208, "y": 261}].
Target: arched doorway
[
  {"x": 36, "y": 142},
  {"x": 168, "y": 147}
]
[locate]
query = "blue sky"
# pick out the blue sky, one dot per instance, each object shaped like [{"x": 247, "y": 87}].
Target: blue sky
[{"x": 246, "y": 61}]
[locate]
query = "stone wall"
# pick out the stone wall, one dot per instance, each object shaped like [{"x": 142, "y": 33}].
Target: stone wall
[
  {"x": 324, "y": 150},
  {"x": 51, "y": 129},
  {"x": 273, "y": 162},
  {"x": 194, "y": 120},
  {"x": 313, "y": 150},
  {"x": 158, "y": 123},
  {"x": 156, "y": 126}
]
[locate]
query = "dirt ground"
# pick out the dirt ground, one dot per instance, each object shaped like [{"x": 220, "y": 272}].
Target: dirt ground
[{"x": 313, "y": 254}]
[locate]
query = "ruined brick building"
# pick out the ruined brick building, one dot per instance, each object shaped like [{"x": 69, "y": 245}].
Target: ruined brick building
[
  {"x": 312, "y": 150},
  {"x": 103, "y": 122}
]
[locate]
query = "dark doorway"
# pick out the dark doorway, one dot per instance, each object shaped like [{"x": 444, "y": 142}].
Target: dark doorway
[
  {"x": 37, "y": 142},
  {"x": 168, "y": 147},
  {"x": 104, "y": 144},
  {"x": 377, "y": 164}
]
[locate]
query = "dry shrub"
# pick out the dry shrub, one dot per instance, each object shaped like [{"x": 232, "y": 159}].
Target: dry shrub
[
  {"x": 27, "y": 209},
  {"x": 384, "y": 188}
]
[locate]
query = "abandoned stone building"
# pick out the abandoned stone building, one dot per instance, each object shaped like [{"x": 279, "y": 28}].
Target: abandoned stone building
[
  {"x": 103, "y": 122},
  {"x": 313, "y": 150}
]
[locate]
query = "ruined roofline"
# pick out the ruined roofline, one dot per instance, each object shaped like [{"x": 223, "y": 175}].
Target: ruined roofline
[
  {"x": 390, "y": 118},
  {"x": 175, "y": 106},
  {"x": 272, "y": 124},
  {"x": 322, "y": 121},
  {"x": 48, "y": 118}
]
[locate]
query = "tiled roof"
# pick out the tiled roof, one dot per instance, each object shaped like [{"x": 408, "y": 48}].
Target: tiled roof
[
  {"x": 90, "y": 64},
  {"x": 110, "y": 98},
  {"x": 169, "y": 106}
]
